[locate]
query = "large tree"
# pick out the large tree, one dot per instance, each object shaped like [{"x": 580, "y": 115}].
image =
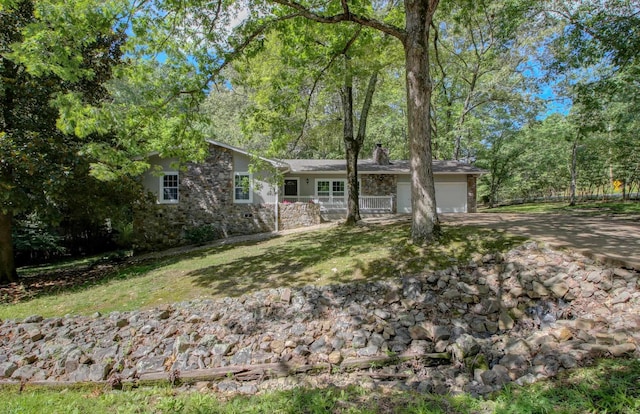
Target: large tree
[
  {"x": 194, "y": 41},
  {"x": 481, "y": 53},
  {"x": 415, "y": 38},
  {"x": 36, "y": 158},
  {"x": 306, "y": 95}
]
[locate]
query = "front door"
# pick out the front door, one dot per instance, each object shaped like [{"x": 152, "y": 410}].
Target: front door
[{"x": 291, "y": 189}]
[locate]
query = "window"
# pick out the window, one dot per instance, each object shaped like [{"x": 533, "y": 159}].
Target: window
[
  {"x": 169, "y": 185},
  {"x": 242, "y": 188},
  {"x": 331, "y": 188},
  {"x": 323, "y": 188},
  {"x": 337, "y": 189}
]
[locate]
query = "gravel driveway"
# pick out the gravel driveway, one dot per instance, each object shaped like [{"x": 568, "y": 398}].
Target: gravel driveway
[{"x": 613, "y": 240}]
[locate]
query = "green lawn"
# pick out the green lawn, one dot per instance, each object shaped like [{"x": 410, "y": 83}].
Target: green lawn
[
  {"x": 588, "y": 208},
  {"x": 610, "y": 386},
  {"x": 333, "y": 255}
]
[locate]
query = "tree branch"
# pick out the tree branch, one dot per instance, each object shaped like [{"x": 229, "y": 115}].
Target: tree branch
[
  {"x": 346, "y": 16},
  {"x": 317, "y": 80},
  {"x": 362, "y": 126}
]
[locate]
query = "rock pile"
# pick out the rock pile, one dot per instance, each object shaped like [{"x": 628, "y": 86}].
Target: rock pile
[{"x": 514, "y": 317}]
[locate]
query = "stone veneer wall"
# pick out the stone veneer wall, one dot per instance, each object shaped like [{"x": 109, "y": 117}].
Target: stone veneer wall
[
  {"x": 295, "y": 215},
  {"x": 206, "y": 199},
  {"x": 379, "y": 185},
  {"x": 471, "y": 194}
]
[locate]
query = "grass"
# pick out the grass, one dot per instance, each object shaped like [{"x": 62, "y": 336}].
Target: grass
[
  {"x": 589, "y": 208},
  {"x": 610, "y": 386},
  {"x": 333, "y": 255}
]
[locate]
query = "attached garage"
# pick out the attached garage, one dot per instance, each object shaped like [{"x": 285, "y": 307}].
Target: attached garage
[{"x": 451, "y": 197}]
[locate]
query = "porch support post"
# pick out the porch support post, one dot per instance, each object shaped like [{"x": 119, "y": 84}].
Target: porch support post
[{"x": 277, "y": 208}]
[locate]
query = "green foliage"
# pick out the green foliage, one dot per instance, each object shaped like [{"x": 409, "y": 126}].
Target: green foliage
[
  {"x": 294, "y": 83},
  {"x": 477, "y": 65},
  {"x": 584, "y": 208},
  {"x": 202, "y": 234},
  {"x": 31, "y": 236}
]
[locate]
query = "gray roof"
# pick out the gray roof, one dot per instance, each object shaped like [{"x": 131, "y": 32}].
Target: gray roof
[{"x": 368, "y": 166}]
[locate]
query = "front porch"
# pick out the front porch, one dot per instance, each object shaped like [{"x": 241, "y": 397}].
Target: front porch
[{"x": 330, "y": 204}]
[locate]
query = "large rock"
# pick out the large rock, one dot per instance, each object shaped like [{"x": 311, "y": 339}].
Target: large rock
[
  {"x": 464, "y": 346},
  {"x": 7, "y": 369}
]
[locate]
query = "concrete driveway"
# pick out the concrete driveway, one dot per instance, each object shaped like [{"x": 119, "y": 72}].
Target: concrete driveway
[{"x": 613, "y": 240}]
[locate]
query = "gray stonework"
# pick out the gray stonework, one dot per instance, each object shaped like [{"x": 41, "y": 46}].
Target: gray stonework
[
  {"x": 379, "y": 184},
  {"x": 206, "y": 199},
  {"x": 295, "y": 215},
  {"x": 513, "y": 317},
  {"x": 471, "y": 194}
]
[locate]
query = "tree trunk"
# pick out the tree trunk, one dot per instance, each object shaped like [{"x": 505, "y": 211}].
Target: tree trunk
[
  {"x": 574, "y": 173},
  {"x": 352, "y": 148},
  {"x": 419, "y": 13},
  {"x": 7, "y": 265},
  {"x": 353, "y": 144},
  {"x": 353, "y": 207}
]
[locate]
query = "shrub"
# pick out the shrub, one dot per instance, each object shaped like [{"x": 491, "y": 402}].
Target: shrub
[
  {"x": 34, "y": 242},
  {"x": 202, "y": 234}
]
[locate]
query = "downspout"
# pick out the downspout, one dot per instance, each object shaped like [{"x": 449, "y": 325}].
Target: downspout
[{"x": 276, "y": 208}]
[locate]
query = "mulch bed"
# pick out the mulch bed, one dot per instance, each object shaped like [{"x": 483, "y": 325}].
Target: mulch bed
[{"x": 55, "y": 281}]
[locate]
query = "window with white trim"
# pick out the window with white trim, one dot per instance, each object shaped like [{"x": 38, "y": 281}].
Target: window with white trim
[
  {"x": 242, "y": 188},
  {"x": 169, "y": 187},
  {"x": 323, "y": 188},
  {"x": 331, "y": 188},
  {"x": 337, "y": 189}
]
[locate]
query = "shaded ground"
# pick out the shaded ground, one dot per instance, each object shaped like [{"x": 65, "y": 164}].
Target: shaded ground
[
  {"x": 613, "y": 240},
  {"x": 58, "y": 280},
  {"x": 371, "y": 251}
]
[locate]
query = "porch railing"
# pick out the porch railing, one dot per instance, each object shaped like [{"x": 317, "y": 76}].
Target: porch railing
[
  {"x": 367, "y": 203},
  {"x": 376, "y": 203}
]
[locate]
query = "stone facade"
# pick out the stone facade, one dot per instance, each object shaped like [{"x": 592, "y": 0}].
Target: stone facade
[
  {"x": 206, "y": 199},
  {"x": 379, "y": 185},
  {"x": 471, "y": 194},
  {"x": 295, "y": 215},
  {"x": 206, "y": 204}
]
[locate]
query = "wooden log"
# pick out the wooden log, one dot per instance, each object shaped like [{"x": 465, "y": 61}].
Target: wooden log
[
  {"x": 256, "y": 372},
  {"x": 283, "y": 369}
]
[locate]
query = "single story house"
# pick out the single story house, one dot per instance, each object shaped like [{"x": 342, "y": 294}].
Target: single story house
[{"x": 224, "y": 195}]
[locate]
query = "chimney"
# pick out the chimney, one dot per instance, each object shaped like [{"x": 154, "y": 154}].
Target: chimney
[{"x": 380, "y": 155}]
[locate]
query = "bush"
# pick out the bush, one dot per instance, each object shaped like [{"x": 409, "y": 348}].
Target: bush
[
  {"x": 34, "y": 242},
  {"x": 202, "y": 234},
  {"x": 123, "y": 234}
]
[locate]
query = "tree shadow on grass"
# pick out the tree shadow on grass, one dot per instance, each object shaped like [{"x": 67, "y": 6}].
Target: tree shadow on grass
[
  {"x": 345, "y": 254},
  {"x": 608, "y": 386}
]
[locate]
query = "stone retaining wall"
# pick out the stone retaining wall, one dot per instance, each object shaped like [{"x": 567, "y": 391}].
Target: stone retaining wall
[
  {"x": 295, "y": 215},
  {"x": 516, "y": 317}
]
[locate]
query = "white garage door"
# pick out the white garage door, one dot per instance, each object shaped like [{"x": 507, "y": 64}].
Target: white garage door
[
  {"x": 450, "y": 197},
  {"x": 404, "y": 198}
]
